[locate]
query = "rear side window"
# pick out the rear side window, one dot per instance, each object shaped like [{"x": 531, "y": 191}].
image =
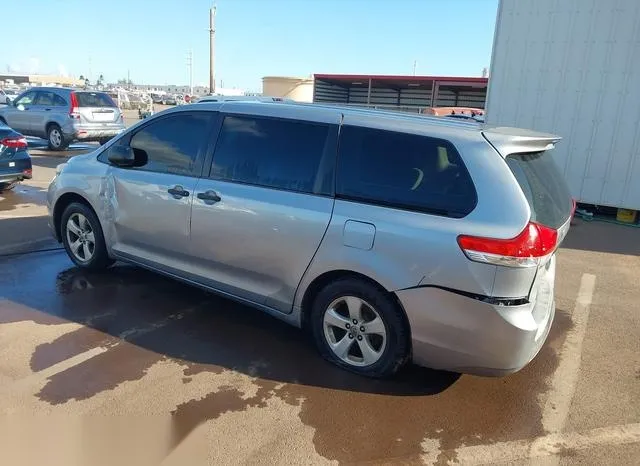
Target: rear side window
[
  {"x": 405, "y": 171},
  {"x": 282, "y": 154},
  {"x": 544, "y": 187},
  {"x": 94, "y": 99},
  {"x": 173, "y": 144}
]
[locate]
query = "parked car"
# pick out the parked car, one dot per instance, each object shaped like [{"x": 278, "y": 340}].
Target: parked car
[
  {"x": 7, "y": 96},
  {"x": 467, "y": 117},
  {"x": 63, "y": 115},
  {"x": 389, "y": 236},
  {"x": 15, "y": 163},
  {"x": 169, "y": 99},
  {"x": 243, "y": 98},
  {"x": 156, "y": 98}
]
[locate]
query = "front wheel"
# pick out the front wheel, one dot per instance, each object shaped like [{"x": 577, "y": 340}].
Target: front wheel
[
  {"x": 55, "y": 138},
  {"x": 360, "y": 328},
  {"x": 83, "y": 238}
]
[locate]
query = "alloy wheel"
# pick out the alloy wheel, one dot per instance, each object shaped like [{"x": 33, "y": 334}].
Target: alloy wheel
[
  {"x": 354, "y": 331},
  {"x": 80, "y": 237}
]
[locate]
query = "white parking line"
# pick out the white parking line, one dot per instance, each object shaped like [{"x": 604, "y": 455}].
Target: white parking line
[
  {"x": 565, "y": 378},
  {"x": 548, "y": 445}
]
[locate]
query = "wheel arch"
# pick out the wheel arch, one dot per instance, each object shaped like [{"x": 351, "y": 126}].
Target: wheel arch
[
  {"x": 322, "y": 280},
  {"x": 61, "y": 204}
]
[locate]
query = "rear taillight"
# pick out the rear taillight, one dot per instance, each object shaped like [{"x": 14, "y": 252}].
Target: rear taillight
[
  {"x": 15, "y": 143},
  {"x": 527, "y": 249},
  {"x": 28, "y": 172},
  {"x": 73, "y": 111},
  {"x": 573, "y": 207}
]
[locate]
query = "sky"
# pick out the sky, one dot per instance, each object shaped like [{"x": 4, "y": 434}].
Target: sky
[{"x": 151, "y": 39}]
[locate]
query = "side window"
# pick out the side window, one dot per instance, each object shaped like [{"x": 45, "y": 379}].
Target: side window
[
  {"x": 404, "y": 171},
  {"x": 26, "y": 99},
  {"x": 282, "y": 154},
  {"x": 173, "y": 144},
  {"x": 58, "y": 101},
  {"x": 44, "y": 98}
]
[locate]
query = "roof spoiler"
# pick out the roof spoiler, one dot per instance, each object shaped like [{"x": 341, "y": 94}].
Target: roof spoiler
[{"x": 514, "y": 140}]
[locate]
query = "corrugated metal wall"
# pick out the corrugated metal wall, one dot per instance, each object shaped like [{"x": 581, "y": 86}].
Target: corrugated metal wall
[
  {"x": 572, "y": 67},
  {"x": 411, "y": 99}
]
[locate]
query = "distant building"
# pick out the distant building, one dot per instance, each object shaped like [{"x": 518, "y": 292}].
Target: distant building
[
  {"x": 39, "y": 79},
  {"x": 410, "y": 93}
]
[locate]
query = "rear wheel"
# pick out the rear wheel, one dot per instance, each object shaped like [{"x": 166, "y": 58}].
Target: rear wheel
[
  {"x": 55, "y": 138},
  {"x": 83, "y": 238},
  {"x": 360, "y": 328}
]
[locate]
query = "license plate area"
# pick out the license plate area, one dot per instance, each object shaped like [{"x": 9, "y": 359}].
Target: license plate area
[{"x": 102, "y": 116}]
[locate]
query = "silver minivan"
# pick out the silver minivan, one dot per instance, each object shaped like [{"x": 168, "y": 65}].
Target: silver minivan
[
  {"x": 390, "y": 237},
  {"x": 62, "y": 115}
]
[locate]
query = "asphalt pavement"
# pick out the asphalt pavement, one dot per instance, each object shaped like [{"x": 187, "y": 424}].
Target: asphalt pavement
[{"x": 127, "y": 364}]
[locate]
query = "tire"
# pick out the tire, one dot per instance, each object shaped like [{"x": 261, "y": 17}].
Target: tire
[
  {"x": 390, "y": 352},
  {"x": 55, "y": 138},
  {"x": 8, "y": 186},
  {"x": 95, "y": 256}
]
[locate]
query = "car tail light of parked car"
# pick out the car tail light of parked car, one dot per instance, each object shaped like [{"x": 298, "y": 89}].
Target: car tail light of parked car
[
  {"x": 525, "y": 250},
  {"x": 73, "y": 110},
  {"x": 15, "y": 143}
]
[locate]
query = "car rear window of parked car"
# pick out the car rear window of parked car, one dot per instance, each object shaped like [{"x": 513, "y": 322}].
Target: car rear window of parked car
[
  {"x": 282, "y": 154},
  {"x": 173, "y": 144},
  {"x": 94, "y": 99},
  {"x": 405, "y": 171},
  {"x": 544, "y": 187}
]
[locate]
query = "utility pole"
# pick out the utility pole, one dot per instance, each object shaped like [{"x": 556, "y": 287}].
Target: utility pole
[
  {"x": 190, "y": 66},
  {"x": 414, "y": 67},
  {"x": 212, "y": 45}
]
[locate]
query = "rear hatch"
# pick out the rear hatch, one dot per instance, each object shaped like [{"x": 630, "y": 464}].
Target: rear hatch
[
  {"x": 96, "y": 108},
  {"x": 526, "y": 262}
]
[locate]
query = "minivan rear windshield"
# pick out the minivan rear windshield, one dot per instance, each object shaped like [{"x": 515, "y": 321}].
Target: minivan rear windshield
[
  {"x": 94, "y": 99},
  {"x": 544, "y": 187}
]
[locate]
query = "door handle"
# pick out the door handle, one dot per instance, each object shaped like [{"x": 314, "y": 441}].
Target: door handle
[
  {"x": 178, "y": 192},
  {"x": 47, "y": 109},
  {"x": 209, "y": 197}
]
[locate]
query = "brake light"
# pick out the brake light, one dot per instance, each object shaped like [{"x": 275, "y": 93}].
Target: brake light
[
  {"x": 73, "y": 111},
  {"x": 574, "y": 207},
  {"x": 527, "y": 249},
  {"x": 28, "y": 172},
  {"x": 15, "y": 143}
]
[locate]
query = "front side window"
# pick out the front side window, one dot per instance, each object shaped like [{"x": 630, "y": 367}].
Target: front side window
[
  {"x": 173, "y": 144},
  {"x": 282, "y": 154},
  {"x": 26, "y": 99},
  {"x": 402, "y": 170}
]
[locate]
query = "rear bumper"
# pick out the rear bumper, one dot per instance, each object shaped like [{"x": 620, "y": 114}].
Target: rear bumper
[
  {"x": 11, "y": 177},
  {"x": 454, "y": 332},
  {"x": 92, "y": 134}
]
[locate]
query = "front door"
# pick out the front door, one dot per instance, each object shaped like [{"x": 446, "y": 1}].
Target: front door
[
  {"x": 260, "y": 216},
  {"x": 18, "y": 116},
  {"x": 150, "y": 204}
]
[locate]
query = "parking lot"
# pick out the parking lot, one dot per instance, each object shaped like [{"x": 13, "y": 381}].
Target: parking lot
[{"x": 214, "y": 382}]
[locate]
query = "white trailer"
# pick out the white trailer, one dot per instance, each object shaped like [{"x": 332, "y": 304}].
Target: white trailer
[{"x": 572, "y": 68}]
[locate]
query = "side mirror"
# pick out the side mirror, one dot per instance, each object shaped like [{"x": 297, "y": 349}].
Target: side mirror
[{"x": 121, "y": 156}]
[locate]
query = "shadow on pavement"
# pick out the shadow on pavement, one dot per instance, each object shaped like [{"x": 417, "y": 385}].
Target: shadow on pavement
[
  {"x": 603, "y": 237},
  {"x": 211, "y": 333}
]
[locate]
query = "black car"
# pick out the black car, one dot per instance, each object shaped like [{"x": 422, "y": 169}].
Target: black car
[{"x": 15, "y": 163}]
